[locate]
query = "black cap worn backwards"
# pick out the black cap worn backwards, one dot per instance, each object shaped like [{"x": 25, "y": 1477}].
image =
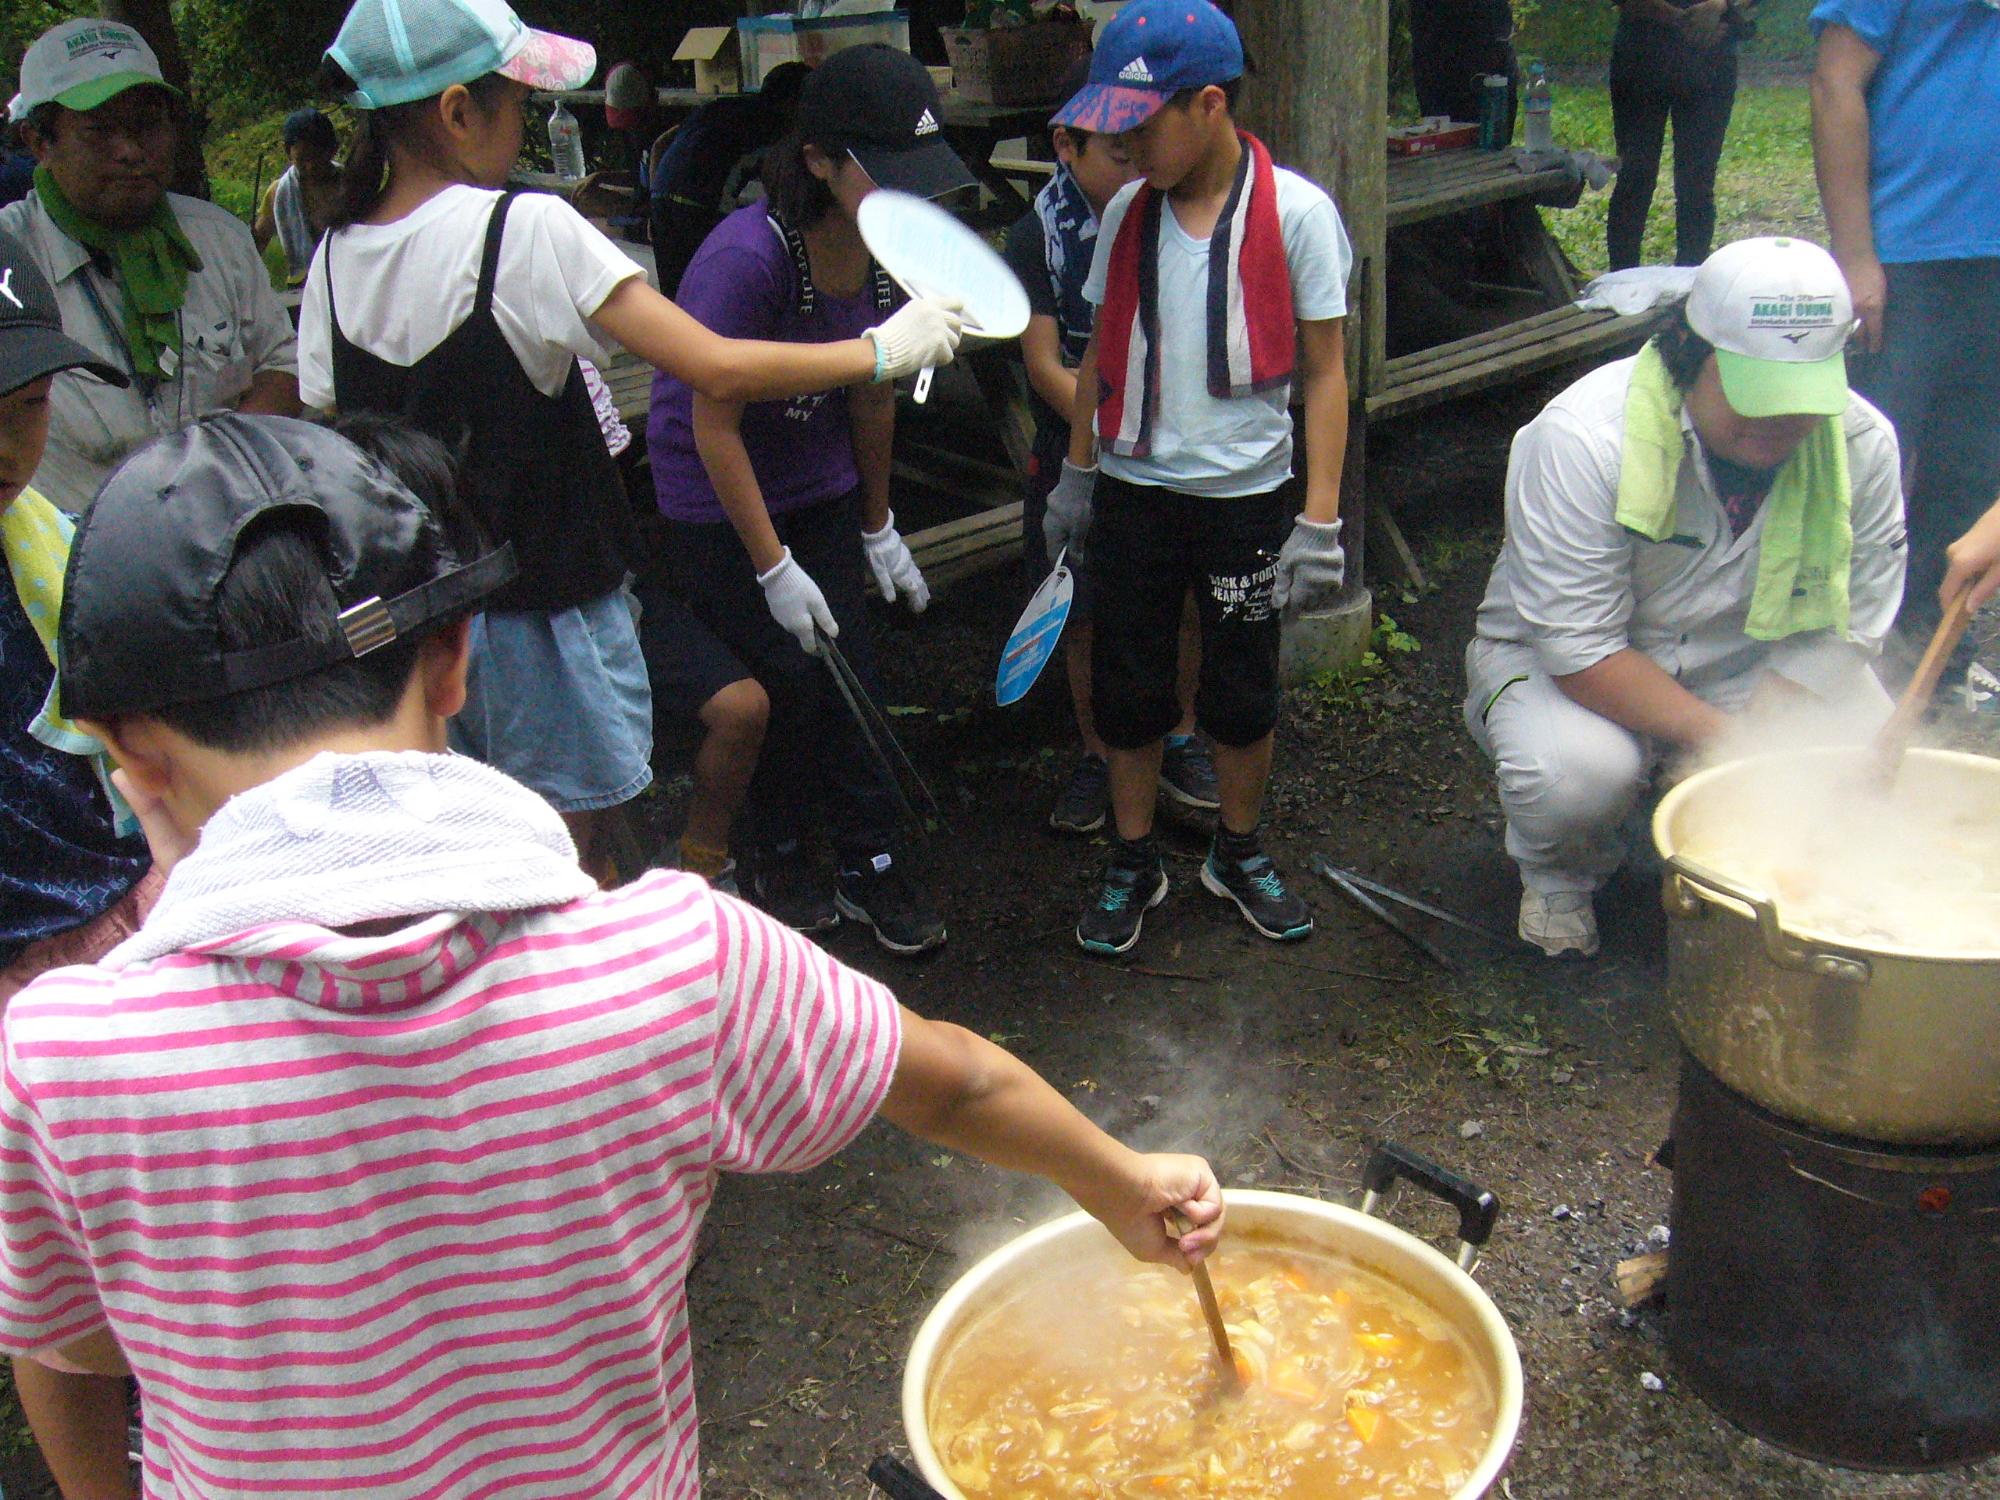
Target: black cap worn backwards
[
  {"x": 880, "y": 105},
  {"x": 32, "y": 341},
  {"x": 139, "y": 625}
]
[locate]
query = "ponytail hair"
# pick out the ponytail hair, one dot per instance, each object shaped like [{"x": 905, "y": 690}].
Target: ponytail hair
[
  {"x": 364, "y": 171},
  {"x": 798, "y": 198}
]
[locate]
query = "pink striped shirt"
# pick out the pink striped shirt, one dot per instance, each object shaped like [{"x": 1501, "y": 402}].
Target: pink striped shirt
[{"x": 410, "y": 1215}]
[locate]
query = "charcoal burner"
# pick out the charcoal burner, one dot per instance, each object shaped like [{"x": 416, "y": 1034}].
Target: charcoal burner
[{"x": 1838, "y": 1298}]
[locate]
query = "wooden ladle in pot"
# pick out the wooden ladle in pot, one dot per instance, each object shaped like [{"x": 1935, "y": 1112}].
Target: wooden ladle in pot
[
  {"x": 1211, "y": 1311},
  {"x": 1886, "y": 755}
]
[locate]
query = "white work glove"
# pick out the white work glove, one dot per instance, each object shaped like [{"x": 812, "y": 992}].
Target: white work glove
[
  {"x": 920, "y": 335},
  {"x": 796, "y": 603},
  {"x": 1066, "y": 523},
  {"x": 895, "y": 570},
  {"x": 1311, "y": 568}
]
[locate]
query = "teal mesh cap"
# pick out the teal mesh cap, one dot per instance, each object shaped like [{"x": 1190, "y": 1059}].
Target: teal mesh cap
[{"x": 397, "y": 51}]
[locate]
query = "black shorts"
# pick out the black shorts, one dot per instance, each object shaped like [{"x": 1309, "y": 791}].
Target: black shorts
[
  {"x": 686, "y": 663},
  {"x": 1148, "y": 547}
]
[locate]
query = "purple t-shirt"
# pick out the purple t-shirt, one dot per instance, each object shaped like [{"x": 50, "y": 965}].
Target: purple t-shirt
[{"x": 742, "y": 284}]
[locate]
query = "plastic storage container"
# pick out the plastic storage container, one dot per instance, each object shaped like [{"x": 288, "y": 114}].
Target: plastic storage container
[{"x": 766, "y": 41}]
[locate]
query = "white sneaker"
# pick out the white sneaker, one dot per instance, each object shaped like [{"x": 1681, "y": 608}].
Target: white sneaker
[{"x": 1561, "y": 922}]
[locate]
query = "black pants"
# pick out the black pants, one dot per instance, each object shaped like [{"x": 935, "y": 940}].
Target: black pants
[
  {"x": 1148, "y": 547},
  {"x": 816, "y": 768},
  {"x": 1938, "y": 380},
  {"x": 1454, "y": 44},
  {"x": 1656, "y": 78}
]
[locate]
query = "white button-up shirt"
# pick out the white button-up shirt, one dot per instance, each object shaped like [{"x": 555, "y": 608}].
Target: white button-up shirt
[
  {"x": 232, "y": 330},
  {"x": 1577, "y": 587}
]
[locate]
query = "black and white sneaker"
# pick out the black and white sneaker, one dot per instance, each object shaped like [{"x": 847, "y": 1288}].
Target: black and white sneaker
[
  {"x": 1134, "y": 883},
  {"x": 784, "y": 884},
  {"x": 1187, "y": 773},
  {"x": 1258, "y": 890},
  {"x": 1085, "y": 800},
  {"x": 883, "y": 897}
]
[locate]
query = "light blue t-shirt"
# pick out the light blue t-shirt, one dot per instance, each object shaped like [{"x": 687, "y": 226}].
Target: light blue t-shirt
[
  {"x": 1933, "y": 123},
  {"x": 1203, "y": 445}
]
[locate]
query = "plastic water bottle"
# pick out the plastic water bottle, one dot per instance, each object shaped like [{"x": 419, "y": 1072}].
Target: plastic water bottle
[
  {"x": 566, "y": 143},
  {"x": 1538, "y": 102}
]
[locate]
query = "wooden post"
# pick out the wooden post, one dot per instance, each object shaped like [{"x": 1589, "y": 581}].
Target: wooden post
[{"x": 1319, "y": 100}]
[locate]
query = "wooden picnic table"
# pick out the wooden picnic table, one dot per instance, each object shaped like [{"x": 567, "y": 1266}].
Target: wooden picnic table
[{"x": 1513, "y": 184}]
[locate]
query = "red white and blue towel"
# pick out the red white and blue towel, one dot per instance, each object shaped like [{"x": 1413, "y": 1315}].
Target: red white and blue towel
[{"x": 1252, "y": 340}]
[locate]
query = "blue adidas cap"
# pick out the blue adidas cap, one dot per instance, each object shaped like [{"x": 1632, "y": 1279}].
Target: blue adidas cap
[{"x": 1147, "y": 53}]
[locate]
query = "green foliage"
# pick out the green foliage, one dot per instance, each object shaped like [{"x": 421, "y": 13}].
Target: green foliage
[
  {"x": 1578, "y": 32},
  {"x": 1344, "y": 690},
  {"x": 1764, "y": 186}
]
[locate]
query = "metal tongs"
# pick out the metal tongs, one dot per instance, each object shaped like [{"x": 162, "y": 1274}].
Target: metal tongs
[
  {"x": 875, "y": 732},
  {"x": 1362, "y": 892}
]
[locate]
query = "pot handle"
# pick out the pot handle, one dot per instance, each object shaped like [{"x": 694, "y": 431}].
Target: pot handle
[
  {"x": 899, "y": 1481},
  {"x": 1784, "y": 950},
  {"x": 1477, "y": 1207}
]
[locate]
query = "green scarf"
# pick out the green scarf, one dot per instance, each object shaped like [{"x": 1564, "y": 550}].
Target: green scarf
[
  {"x": 1808, "y": 538},
  {"x": 153, "y": 262}
]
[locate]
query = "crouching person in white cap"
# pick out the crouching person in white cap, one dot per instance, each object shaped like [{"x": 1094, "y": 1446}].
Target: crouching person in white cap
[{"x": 1713, "y": 521}]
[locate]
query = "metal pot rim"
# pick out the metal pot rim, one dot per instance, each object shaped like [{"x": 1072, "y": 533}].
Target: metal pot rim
[
  {"x": 1744, "y": 901},
  {"x": 1474, "y": 1315}
]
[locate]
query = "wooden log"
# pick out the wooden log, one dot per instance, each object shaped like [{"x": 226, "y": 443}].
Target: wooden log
[{"x": 1642, "y": 1278}]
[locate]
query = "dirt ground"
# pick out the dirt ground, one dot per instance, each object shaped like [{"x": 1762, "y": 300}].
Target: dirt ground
[{"x": 1549, "y": 1083}]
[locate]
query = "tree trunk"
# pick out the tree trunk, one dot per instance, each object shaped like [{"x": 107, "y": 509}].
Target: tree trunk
[
  {"x": 153, "y": 20},
  {"x": 1319, "y": 100}
]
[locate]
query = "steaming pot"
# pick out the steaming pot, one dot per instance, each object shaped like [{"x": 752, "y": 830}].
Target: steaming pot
[
  {"x": 1266, "y": 1217},
  {"x": 1874, "y": 1041}
]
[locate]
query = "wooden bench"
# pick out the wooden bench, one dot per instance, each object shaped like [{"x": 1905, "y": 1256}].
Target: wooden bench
[{"x": 1414, "y": 381}]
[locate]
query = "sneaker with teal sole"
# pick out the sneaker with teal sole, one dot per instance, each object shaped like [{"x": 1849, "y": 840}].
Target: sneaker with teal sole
[
  {"x": 1259, "y": 892},
  {"x": 1127, "y": 892}
]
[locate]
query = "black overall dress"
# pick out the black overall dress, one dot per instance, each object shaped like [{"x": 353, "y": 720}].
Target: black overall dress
[{"x": 536, "y": 471}]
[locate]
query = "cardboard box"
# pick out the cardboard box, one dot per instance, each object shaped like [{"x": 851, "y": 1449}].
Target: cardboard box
[
  {"x": 766, "y": 41},
  {"x": 1431, "y": 135},
  {"x": 1014, "y": 64},
  {"x": 714, "y": 53}
]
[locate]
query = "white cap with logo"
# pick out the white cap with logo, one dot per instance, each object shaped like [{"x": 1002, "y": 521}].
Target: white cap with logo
[
  {"x": 1778, "y": 312},
  {"x": 80, "y": 64}
]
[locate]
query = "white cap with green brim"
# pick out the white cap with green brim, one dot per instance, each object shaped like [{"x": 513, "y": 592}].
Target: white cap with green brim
[
  {"x": 80, "y": 64},
  {"x": 398, "y": 51},
  {"x": 1778, "y": 312}
]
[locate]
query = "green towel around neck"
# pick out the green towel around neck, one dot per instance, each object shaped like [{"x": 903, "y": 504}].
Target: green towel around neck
[
  {"x": 153, "y": 262},
  {"x": 1808, "y": 538}
]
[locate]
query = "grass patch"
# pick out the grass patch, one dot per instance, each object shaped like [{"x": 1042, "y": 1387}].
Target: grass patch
[{"x": 1764, "y": 186}]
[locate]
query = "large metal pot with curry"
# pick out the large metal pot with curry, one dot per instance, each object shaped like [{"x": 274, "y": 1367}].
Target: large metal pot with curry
[
  {"x": 1369, "y": 1365},
  {"x": 1833, "y": 949}
]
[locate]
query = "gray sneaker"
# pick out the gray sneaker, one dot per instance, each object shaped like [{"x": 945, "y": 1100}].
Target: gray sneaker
[
  {"x": 1085, "y": 800},
  {"x": 1187, "y": 773}
]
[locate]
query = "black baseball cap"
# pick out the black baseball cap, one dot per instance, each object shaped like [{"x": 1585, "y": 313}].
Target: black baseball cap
[
  {"x": 32, "y": 341},
  {"x": 139, "y": 628},
  {"x": 878, "y": 104}
]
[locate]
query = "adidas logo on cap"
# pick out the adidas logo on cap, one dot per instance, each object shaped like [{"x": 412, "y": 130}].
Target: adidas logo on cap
[
  {"x": 1135, "y": 71},
  {"x": 927, "y": 123}
]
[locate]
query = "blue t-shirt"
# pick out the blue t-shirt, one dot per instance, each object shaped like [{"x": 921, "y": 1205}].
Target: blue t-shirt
[
  {"x": 1933, "y": 123},
  {"x": 61, "y": 865}
]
